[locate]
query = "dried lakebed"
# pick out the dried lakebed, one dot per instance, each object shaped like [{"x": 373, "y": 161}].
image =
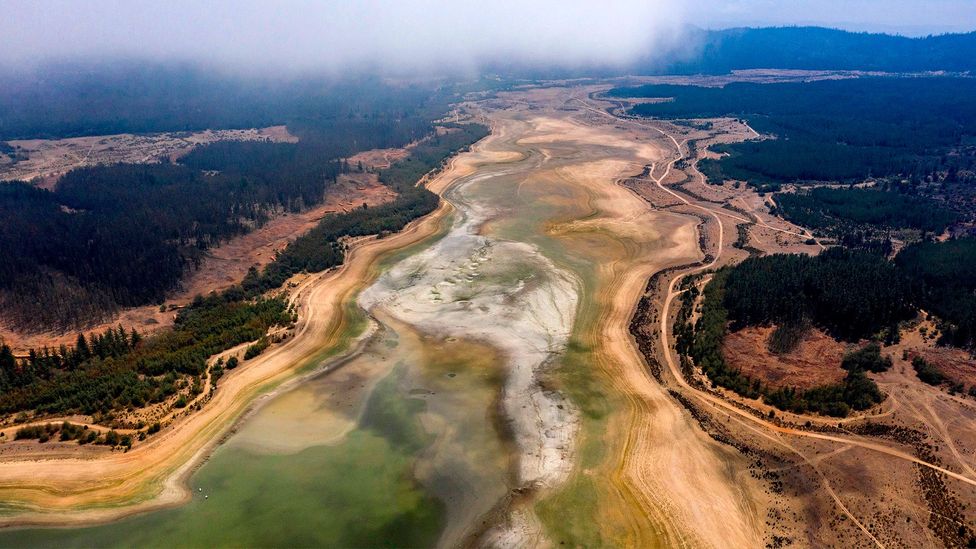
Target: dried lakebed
[{"x": 497, "y": 398}]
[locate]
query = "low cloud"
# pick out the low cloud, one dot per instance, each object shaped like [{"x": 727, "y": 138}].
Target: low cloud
[{"x": 400, "y": 36}]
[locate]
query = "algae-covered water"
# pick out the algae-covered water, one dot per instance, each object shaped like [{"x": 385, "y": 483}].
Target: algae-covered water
[{"x": 336, "y": 462}]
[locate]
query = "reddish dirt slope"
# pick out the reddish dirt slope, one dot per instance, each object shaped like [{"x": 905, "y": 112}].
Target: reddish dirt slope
[{"x": 815, "y": 361}]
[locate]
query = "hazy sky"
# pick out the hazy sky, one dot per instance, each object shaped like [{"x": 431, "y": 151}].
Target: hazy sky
[
  {"x": 409, "y": 33},
  {"x": 914, "y": 18},
  {"x": 412, "y": 34}
]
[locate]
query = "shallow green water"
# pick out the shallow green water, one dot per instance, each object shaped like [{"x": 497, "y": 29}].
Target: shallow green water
[
  {"x": 356, "y": 493},
  {"x": 569, "y": 515}
]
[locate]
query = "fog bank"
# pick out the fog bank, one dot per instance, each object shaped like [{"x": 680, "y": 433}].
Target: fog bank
[{"x": 401, "y": 36}]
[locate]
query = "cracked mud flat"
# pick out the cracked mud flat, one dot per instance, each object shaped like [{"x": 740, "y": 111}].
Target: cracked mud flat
[{"x": 508, "y": 295}]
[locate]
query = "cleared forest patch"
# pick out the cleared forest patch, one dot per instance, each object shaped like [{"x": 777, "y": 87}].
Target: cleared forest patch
[
  {"x": 45, "y": 160},
  {"x": 955, "y": 364},
  {"x": 814, "y": 362}
]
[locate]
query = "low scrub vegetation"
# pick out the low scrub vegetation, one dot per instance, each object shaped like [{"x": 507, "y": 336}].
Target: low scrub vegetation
[
  {"x": 70, "y": 432},
  {"x": 866, "y": 359},
  {"x": 256, "y": 349},
  {"x": 926, "y": 372}
]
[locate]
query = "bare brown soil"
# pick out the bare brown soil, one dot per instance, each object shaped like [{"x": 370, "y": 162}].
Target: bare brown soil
[
  {"x": 814, "y": 362},
  {"x": 899, "y": 475},
  {"x": 958, "y": 365},
  {"x": 378, "y": 158}
]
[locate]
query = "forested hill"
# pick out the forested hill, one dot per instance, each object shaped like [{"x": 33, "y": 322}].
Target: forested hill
[
  {"x": 118, "y": 369},
  {"x": 832, "y": 130},
  {"x": 817, "y": 48},
  {"x": 124, "y": 235},
  {"x": 56, "y": 101},
  {"x": 850, "y": 294}
]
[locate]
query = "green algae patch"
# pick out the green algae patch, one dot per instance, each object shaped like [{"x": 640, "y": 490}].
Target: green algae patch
[
  {"x": 358, "y": 493},
  {"x": 569, "y": 515}
]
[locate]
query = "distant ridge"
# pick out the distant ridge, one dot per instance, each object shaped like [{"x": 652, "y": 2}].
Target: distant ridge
[{"x": 817, "y": 48}]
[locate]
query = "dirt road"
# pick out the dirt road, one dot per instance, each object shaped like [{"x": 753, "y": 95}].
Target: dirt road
[
  {"x": 659, "y": 481},
  {"x": 776, "y": 434}
]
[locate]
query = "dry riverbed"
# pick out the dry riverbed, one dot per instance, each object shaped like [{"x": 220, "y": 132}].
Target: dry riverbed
[{"x": 497, "y": 384}]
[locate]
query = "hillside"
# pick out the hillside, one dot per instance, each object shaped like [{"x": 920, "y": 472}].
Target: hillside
[{"x": 818, "y": 48}]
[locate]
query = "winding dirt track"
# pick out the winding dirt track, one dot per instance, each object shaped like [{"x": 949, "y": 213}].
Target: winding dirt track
[
  {"x": 672, "y": 293},
  {"x": 766, "y": 429},
  {"x": 711, "y": 399},
  {"x": 776, "y": 434},
  {"x": 663, "y": 482}
]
